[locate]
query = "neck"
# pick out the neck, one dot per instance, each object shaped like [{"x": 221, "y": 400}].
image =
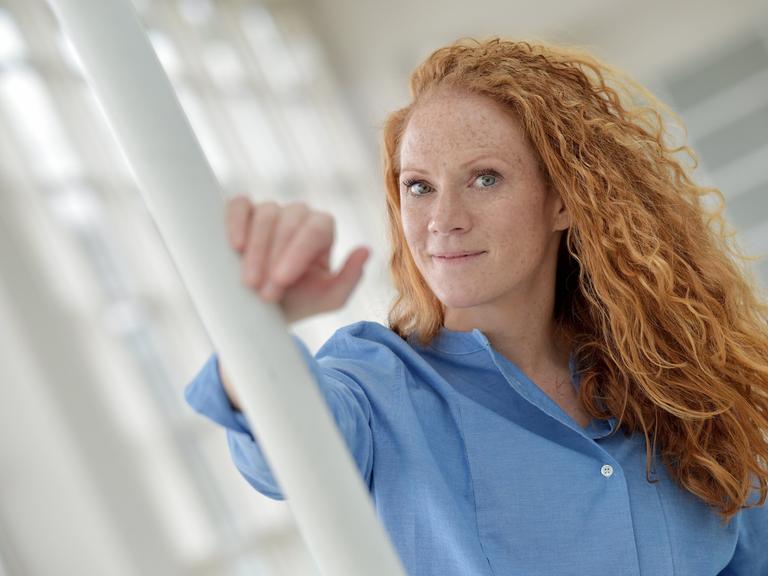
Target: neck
[{"x": 525, "y": 334}]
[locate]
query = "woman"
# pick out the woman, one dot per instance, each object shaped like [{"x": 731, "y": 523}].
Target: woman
[{"x": 568, "y": 313}]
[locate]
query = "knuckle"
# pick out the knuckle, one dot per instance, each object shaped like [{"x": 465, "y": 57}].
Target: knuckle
[
  {"x": 269, "y": 206},
  {"x": 266, "y": 212},
  {"x": 322, "y": 220},
  {"x": 238, "y": 203},
  {"x": 262, "y": 223},
  {"x": 293, "y": 214},
  {"x": 297, "y": 206}
]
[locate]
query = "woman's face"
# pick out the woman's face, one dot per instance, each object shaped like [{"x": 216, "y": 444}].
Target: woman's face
[{"x": 470, "y": 184}]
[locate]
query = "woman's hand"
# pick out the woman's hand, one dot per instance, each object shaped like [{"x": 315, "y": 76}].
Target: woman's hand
[{"x": 285, "y": 253}]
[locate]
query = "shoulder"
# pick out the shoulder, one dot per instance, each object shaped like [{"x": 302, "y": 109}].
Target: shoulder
[
  {"x": 367, "y": 351},
  {"x": 365, "y": 336}
]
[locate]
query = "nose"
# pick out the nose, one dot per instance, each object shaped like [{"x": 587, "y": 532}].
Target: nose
[{"x": 448, "y": 214}]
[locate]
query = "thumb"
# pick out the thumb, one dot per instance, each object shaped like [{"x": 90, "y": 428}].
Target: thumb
[{"x": 350, "y": 273}]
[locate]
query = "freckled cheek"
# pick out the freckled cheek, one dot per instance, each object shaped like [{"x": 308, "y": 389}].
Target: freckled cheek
[
  {"x": 523, "y": 249},
  {"x": 413, "y": 230},
  {"x": 412, "y": 241}
]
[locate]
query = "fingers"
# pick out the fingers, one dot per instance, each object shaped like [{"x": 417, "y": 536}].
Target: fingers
[
  {"x": 311, "y": 242},
  {"x": 239, "y": 211},
  {"x": 259, "y": 239},
  {"x": 278, "y": 242},
  {"x": 282, "y": 246},
  {"x": 349, "y": 275},
  {"x": 336, "y": 290},
  {"x": 293, "y": 216}
]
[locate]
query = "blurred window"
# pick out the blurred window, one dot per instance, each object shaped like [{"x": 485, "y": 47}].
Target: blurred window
[{"x": 261, "y": 101}]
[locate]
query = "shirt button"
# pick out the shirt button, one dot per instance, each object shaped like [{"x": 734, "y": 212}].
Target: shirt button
[{"x": 607, "y": 470}]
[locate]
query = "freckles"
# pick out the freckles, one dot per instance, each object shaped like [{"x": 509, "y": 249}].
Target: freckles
[{"x": 411, "y": 226}]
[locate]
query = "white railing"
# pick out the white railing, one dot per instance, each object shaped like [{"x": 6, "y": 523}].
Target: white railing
[{"x": 295, "y": 428}]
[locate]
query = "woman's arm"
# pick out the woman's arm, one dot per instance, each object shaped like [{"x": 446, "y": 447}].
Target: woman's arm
[
  {"x": 285, "y": 253},
  {"x": 345, "y": 398}
]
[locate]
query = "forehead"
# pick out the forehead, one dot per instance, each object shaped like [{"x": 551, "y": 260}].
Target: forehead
[{"x": 457, "y": 122}]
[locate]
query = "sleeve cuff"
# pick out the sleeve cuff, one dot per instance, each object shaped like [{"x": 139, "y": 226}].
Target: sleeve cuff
[{"x": 206, "y": 395}]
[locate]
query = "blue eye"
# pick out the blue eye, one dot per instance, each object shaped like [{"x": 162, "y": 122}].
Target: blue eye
[
  {"x": 488, "y": 178},
  {"x": 410, "y": 184}
]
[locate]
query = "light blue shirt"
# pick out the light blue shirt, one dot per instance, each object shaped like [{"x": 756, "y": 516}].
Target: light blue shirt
[{"x": 474, "y": 470}]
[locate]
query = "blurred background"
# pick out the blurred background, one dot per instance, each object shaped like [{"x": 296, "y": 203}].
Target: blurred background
[{"x": 103, "y": 468}]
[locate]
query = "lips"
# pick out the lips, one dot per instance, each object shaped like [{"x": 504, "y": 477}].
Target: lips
[{"x": 454, "y": 255}]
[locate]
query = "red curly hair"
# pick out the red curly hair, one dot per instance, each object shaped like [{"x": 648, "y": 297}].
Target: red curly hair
[{"x": 668, "y": 326}]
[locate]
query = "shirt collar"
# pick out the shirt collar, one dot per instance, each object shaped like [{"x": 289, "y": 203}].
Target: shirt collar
[{"x": 457, "y": 343}]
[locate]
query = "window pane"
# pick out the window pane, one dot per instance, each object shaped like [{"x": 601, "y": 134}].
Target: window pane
[
  {"x": 273, "y": 56},
  {"x": 224, "y": 65},
  {"x": 260, "y": 142},
  {"x": 11, "y": 43},
  {"x": 31, "y": 114}
]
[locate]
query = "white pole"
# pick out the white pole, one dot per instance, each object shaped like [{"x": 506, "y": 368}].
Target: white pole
[{"x": 332, "y": 507}]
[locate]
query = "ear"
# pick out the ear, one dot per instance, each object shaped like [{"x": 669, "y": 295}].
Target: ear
[{"x": 561, "y": 216}]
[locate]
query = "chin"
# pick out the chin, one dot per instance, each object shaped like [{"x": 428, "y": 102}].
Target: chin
[{"x": 459, "y": 300}]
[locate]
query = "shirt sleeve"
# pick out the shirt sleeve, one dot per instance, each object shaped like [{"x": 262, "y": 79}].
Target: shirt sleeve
[
  {"x": 751, "y": 554},
  {"x": 343, "y": 395}
]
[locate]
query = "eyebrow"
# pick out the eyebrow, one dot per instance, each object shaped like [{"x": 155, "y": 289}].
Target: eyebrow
[{"x": 466, "y": 164}]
